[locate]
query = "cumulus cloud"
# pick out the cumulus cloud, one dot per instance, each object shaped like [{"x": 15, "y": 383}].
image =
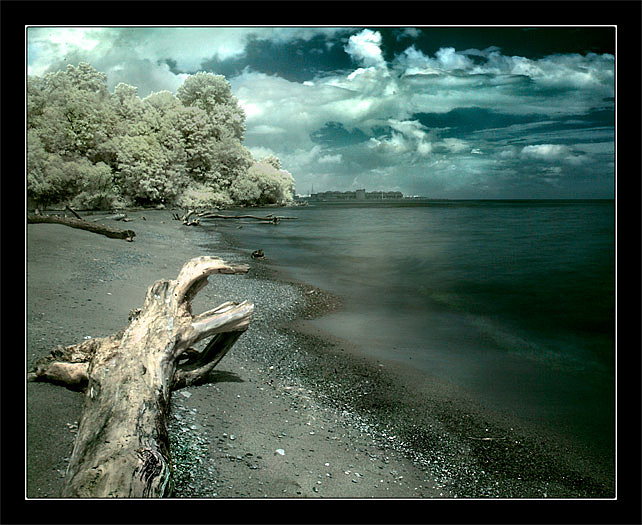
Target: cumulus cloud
[
  {"x": 551, "y": 153},
  {"x": 292, "y": 110},
  {"x": 447, "y": 59},
  {"x": 562, "y": 70},
  {"x": 396, "y": 144},
  {"x": 508, "y": 152},
  {"x": 260, "y": 152},
  {"x": 364, "y": 48},
  {"x": 455, "y": 145},
  {"x": 424, "y": 148},
  {"x": 518, "y": 84},
  {"x": 405, "y": 136},
  {"x": 331, "y": 159},
  {"x": 410, "y": 128}
]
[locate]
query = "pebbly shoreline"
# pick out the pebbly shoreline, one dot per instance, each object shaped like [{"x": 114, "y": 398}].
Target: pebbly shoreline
[
  {"x": 469, "y": 450},
  {"x": 290, "y": 412}
]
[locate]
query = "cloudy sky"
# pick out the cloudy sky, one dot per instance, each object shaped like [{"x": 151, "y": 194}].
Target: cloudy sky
[{"x": 443, "y": 112}]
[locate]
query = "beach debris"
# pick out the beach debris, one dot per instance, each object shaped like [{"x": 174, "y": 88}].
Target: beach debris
[
  {"x": 193, "y": 222},
  {"x": 185, "y": 394},
  {"x": 145, "y": 357},
  {"x": 280, "y": 452},
  {"x": 268, "y": 219},
  {"x": 82, "y": 224},
  {"x": 186, "y": 218},
  {"x": 117, "y": 217},
  {"x": 73, "y": 212},
  {"x": 258, "y": 254}
]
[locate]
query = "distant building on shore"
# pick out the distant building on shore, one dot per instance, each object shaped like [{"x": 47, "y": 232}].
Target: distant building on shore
[{"x": 358, "y": 195}]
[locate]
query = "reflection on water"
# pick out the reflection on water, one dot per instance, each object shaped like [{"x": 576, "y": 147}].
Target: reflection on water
[{"x": 513, "y": 301}]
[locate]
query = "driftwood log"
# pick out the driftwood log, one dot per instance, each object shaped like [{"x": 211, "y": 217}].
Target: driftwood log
[
  {"x": 73, "y": 212},
  {"x": 191, "y": 222},
  {"x": 115, "y": 217},
  {"x": 81, "y": 224},
  {"x": 268, "y": 219},
  {"x": 188, "y": 221},
  {"x": 186, "y": 218},
  {"x": 122, "y": 445}
]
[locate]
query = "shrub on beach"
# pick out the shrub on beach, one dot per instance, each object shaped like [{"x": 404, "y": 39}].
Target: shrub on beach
[
  {"x": 97, "y": 189},
  {"x": 263, "y": 184},
  {"x": 200, "y": 196}
]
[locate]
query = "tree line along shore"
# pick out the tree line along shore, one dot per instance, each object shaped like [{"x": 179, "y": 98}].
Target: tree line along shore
[{"x": 95, "y": 149}]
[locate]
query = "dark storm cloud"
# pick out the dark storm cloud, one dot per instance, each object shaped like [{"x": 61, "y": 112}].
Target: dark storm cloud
[
  {"x": 297, "y": 61},
  {"x": 462, "y": 121},
  {"x": 526, "y": 42},
  {"x": 335, "y": 134}
]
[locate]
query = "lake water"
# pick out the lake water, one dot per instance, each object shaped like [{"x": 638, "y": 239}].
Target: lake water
[{"x": 512, "y": 301}]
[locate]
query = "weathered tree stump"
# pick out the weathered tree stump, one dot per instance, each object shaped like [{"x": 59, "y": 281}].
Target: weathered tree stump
[{"x": 122, "y": 445}]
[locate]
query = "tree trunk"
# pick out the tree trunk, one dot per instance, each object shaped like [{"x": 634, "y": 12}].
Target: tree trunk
[
  {"x": 122, "y": 445},
  {"x": 113, "y": 233}
]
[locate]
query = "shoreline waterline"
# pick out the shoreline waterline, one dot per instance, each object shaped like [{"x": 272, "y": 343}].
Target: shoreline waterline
[{"x": 443, "y": 413}]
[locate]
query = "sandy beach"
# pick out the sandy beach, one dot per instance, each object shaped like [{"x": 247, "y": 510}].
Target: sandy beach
[
  {"x": 252, "y": 432},
  {"x": 291, "y": 412}
]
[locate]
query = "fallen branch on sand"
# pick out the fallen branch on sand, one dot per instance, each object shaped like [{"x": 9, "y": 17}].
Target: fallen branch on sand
[
  {"x": 122, "y": 444},
  {"x": 81, "y": 224}
]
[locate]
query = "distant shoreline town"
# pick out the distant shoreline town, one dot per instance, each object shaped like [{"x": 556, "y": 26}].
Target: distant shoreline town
[{"x": 357, "y": 195}]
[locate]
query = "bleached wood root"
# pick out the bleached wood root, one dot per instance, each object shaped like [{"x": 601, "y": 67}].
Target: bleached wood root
[{"x": 122, "y": 445}]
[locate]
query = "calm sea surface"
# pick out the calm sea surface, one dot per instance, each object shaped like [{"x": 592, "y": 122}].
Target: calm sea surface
[{"x": 512, "y": 301}]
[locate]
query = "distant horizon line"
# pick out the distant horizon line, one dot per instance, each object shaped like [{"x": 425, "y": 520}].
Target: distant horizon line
[{"x": 423, "y": 197}]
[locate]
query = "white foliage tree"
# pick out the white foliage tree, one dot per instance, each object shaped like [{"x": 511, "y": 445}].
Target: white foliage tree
[
  {"x": 102, "y": 149},
  {"x": 263, "y": 184},
  {"x": 213, "y": 94}
]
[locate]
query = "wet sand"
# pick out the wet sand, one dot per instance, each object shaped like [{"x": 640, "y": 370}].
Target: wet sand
[{"x": 291, "y": 412}]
